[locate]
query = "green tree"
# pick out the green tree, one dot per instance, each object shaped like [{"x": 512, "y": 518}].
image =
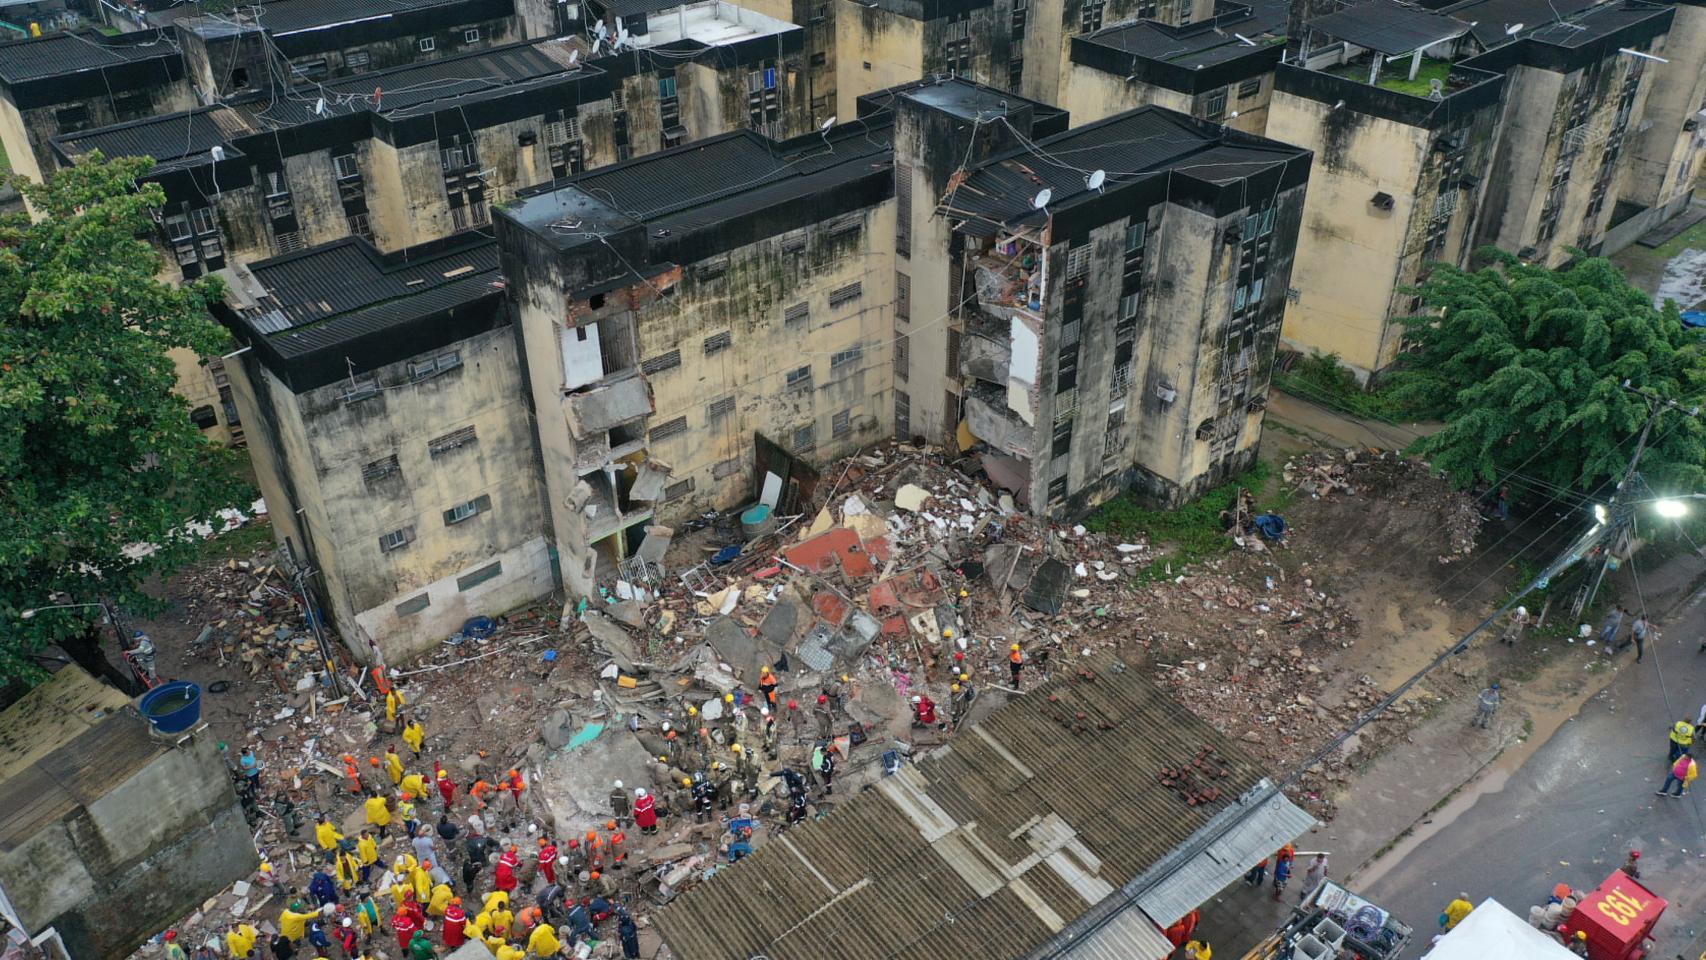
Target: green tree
[
  {"x": 96, "y": 451},
  {"x": 1525, "y": 365}
]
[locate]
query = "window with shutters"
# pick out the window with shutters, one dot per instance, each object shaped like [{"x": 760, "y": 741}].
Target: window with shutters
[
  {"x": 468, "y": 581},
  {"x": 718, "y": 342},
  {"x": 847, "y": 294},
  {"x": 667, "y": 429},
  {"x": 711, "y": 269},
  {"x": 843, "y": 359},
  {"x": 953, "y": 365},
  {"x": 805, "y": 438},
  {"x": 902, "y": 414},
  {"x": 841, "y": 424},
  {"x": 800, "y": 378},
  {"x": 720, "y": 408},
  {"x": 380, "y": 469},
  {"x": 1078, "y": 261},
  {"x": 902, "y": 357},
  {"x": 1057, "y": 489},
  {"x": 848, "y": 224},
  {"x": 413, "y": 605},
  {"x": 902, "y": 296},
  {"x": 1019, "y": 11},
  {"x": 1250, "y": 88},
  {"x": 677, "y": 490},
  {"x": 1062, "y": 441},
  {"x": 796, "y": 314},
  {"x": 1090, "y": 16},
  {"x": 356, "y": 59},
  {"x": 793, "y": 241},
  {"x": 903, "y": 209},
  {"x": 396, "y": 539},
  {"x": 465, "y": 510},
  {"x": 726, "y": 468},
  {"x": 455, "y": 440},
  {"x": 662, "y": 362},
  {"x": 433, "y": 366}
]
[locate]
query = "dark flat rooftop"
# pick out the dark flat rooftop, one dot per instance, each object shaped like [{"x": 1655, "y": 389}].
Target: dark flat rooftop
[
  {"x": 288, "y": 16},
  {"x": 59, "y": 54},
  {"x": 346, "y": 288},
  {"x": 1595, "y": 23},
  {"x": 414, "y": 88},
  {"x": 704, "y": 182},
  {"x": 1198, "y": 44},
  {"x": 1132, "y": 146},
  {"x": 1389, "y": 27},
  {"x": 1493, "y": 17},
  {"x": 175, "y": 140}
]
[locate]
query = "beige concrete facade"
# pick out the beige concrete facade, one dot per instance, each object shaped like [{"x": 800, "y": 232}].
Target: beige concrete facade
[{"x": 1665, "y": 158}]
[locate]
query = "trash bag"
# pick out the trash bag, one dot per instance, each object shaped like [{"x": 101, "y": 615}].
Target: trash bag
[
  {"x": 1271, "y": 526},
  {"x": 479, "y": 628}
]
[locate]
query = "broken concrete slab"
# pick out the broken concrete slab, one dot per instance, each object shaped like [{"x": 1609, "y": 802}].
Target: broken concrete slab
[
  {"x": 612, "y": 639},
  {"x": 736, "y": 646},
  {"x": 557, "y": 729},
  {"x": 782, "y": 622},
  {"x": 1046, "y": 592},
  {"x": 911, "y": 498},
  {"x": 629, "y": 612},
  {"x": 575, "y": 782},
  {"x": 814, "y": 650}
]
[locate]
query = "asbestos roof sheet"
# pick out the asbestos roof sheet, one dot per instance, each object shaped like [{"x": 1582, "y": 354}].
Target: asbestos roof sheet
[
  {"x": 987, "y": 847},
  {"x": 1492, "y": 18},
  {"x": 416, "y": 88},
  {"x": 281, "y": 17},
  {"x": 348, "y": 276},
  {"x": 59, "y": 54},
  {"x": 1145, "y": 142},
  {"x": 1388, "y": 27},
  {"x": 174, "y": 140},
  {"x": 1241, "y": 836},
  {"x": 1129, "y": 935}
]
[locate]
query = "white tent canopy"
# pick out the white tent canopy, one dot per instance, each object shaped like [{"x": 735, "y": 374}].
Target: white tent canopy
[{"x": 1492, "y": 931}]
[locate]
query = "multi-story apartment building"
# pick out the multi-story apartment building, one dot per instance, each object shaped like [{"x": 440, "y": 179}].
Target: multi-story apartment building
[
  {"x": 1669, "y": 144},
  {"x": 1219, "y": 69},
  {"x": 1439, "y": 131},
  {"x": 1120, "y": 324},
  {"x": 389, "y": 435}
]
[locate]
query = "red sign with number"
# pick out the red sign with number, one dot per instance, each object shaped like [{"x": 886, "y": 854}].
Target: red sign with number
[{"x": 1617, "y": 917}]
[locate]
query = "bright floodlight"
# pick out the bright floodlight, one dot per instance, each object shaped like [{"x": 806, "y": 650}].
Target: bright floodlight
[
  {"x": 1599, "y": 512},
  {"x": 1670, "y": 508},
  {"x": 27, "y": 614}
]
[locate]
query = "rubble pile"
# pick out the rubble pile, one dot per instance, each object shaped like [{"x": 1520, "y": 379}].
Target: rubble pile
[{"x": 1371, "y": 475}]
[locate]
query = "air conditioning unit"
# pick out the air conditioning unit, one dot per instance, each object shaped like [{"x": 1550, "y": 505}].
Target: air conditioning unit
[
  {"x": 1166, "y": 394},
  {"x": 1383, "y": 201}
]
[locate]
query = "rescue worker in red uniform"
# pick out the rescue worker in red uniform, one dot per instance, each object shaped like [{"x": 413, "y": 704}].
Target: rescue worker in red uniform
[
  {"x": 645, "y": 811},
  {"x": 548, "y": 860},
  {"x": 454, "y": 920},
  {"x": 505, "y": 879}
]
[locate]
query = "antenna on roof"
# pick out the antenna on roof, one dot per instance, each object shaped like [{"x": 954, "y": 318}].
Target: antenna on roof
[
  {"x": 1040, "y": 201},
  {"x": 320, "y": 107},
  {"x": 1246, "y": 41},
  {"x": 826, "y": 125},
  {"x": 1436, "y": 89},
  {"x": 598, "y": 29},
  {"x": 1095, "y": 180}
]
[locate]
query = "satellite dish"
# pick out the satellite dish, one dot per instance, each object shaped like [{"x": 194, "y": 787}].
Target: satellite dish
[
  {"x": 1041, "y": 200},
  {"x": 621, "y": 35},
  {"x": 1096, "y": 179},
  {"x": 826, "y": 125},
  {"x": 1436, "y": 89},
  {"x": 1513, "y": 29},
  {"x": 595, "y": 45},
  {"x": 218, "y": 153},
  {"x": 598, "y": 30},
  {"x": 320, "y": 107},
  {"x": 573, "y": 56}
]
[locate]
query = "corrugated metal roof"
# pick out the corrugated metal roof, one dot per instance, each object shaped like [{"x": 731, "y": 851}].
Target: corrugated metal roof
[
  {"x": 986, "y": 847},
  {"x": 1255, "y": 832},
  {"x": 1205, "y": 43},
  {"x": 1389, "y": 27},
  {"x": 1130, "y": 935},
  {"x": 1493, "y": 17},
  {"x": 185, "y": 136},
  {"x": 286, "y": 16},
  {"x": 348, "y": 275},
  {"x": 58, "y": 54}
]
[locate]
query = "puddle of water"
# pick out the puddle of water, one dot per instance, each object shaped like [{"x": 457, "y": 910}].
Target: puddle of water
[{"x": 1684, "y": 280}]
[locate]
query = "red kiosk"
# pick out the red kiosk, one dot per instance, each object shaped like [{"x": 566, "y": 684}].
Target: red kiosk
[{"x": 1618, "y": 918}]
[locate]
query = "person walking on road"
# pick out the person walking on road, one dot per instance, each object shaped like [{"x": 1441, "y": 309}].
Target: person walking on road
[
  {"x": 1681, "y": 738},
  {"x": 1638, "y": 636},
  {"x": 1282, "y": 873},
  {"x": 1682, "y": 774},
  {"x": 1609, "y": 629},
  {"x": 1455, "y": 911},
  {"x": 1313, "y": 877},
  {"x": 1487, "y": 705}
]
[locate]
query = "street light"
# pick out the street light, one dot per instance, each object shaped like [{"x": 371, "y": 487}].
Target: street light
[
  {"x": 31, "y": 612},
  {"x": 1671, "y": 509}
]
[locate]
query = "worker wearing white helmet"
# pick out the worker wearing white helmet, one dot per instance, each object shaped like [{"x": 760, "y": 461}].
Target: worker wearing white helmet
[
  {"x": 619, "y": 801},
  {"x": 645, "y": 811}
]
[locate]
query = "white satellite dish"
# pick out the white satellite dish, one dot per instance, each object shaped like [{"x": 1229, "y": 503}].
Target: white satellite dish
[
  {"x": 598, "y": 30},
  {"x": 573, "y": 56},
  {"x": 1096, "y": 179},
  {"x": 1513, "y": 29},
  {"x": 1436, "y": 89},
  {"x": 1041, "y": 200},
  {"x": 621, "y": 35},
  {"x": 595, "y": 45},
  {"x": 320, "y": 107},
  {"x": 826, "y": 125}
]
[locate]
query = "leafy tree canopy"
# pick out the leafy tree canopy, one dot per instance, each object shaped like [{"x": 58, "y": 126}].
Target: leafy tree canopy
[
  {"x": 96, "y": 451},
  {"x": 1525, "y": 365}
]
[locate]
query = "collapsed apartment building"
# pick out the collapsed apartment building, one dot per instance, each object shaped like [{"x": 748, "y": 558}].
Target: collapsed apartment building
[
  {"x": 695, "y": 329},
  {"x": 1538, "y": 127}
]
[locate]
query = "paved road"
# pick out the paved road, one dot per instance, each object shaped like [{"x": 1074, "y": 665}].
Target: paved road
[{"x": 1574, "y": 809}]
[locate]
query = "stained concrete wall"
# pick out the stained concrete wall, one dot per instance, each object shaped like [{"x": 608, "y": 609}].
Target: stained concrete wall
[
  {"x": 1092, "y": 94},
  {"x": 119, "y": 869},
  {"x": 312, "y": 461},
  {"x": 874, "y": 49},
  {"x": 1665, "y": 158},
  {"x": 27, "y": 134}
]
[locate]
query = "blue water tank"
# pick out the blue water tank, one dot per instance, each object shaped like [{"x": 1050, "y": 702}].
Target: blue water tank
[{"x": 172, "y": 707}]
